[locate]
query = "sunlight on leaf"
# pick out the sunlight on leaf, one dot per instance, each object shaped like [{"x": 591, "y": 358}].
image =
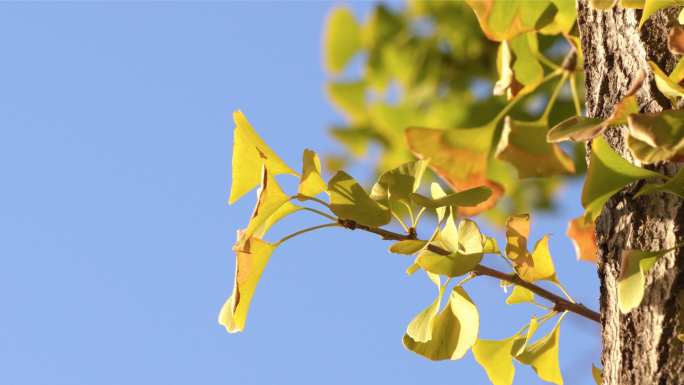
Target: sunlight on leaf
[
  {"x": 312, "y": 183},
  {"x": 675, "y": 186},
  {"x": 407, "y": 247},
  {"x": 271, "y": 198},
  {"x": 250, "y": 153},
  {"x": 495, "y": 357},
  {"x": 522, "y": 342},
  {"x": 517, "y": 232},
  {"x": 437, "y": 192},
  {"x": 348, "y": 200},
  {"x": 490, "y": 246},
  {"x": 524, "y": 145},
  {"x": 635, "y": 265},
  {"x": 286, "y": 209},
  {"x": 459, "y": 157},
  {"x": 449, "y": 235},
  {"x": 669, "y": 88},
  {"x": 564, "y": 20},
  {"x": 542, "y": 355},
  {"x": 675, "y": 40},
  {"x": 420, "y": 329},
  {"x": 653, "y": 6},
  {"x": 583, "y": 236},
  {"x": 504, "y": 20},
  {"x": 460, "y": 262},
  {"x": 608, "y": 173},
  {"x": 251, "y": 261},
  {"x": 543, "y": 264},
  {"x": 661, "y": 129},
  {"x": 648, "y": 154},
  {"x": 518, "y": 66},
  {"x": 520, "y": 295},
  {"x": 597, "y": 374},
  {"x": 454, "y": 330},
  {"x": 602, "y": 5},
  {"x": 400, "y": 182},
  {"x": 468, "y": 198},
  {"x": 341, "y": 39}
]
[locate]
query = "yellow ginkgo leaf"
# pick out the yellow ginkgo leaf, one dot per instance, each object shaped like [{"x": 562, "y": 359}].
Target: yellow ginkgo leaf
[
  {"x": 542, "y": 355},
  {"x": 518, "y": 230},
  {"x": 271, "y": 198},
  {"x": 420, "y": 329},
  {"x": 311, "y": 184},
  {"x": 250, "y": 153}
]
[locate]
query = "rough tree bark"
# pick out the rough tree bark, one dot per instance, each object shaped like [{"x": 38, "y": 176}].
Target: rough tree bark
[{"x": 639, "y": 347}]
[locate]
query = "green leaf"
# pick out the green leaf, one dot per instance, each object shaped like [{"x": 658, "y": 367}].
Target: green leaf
[
  {"x": 669, "y": 88},
  {"x": 349, "y": 98},
  {"x": 399, "y": 183},
  {"x": 635, "y": 265},
  {"x": 459, "y": 157},
  {"x": 564, "y": 20},
  {"x": 524, "y": 145},
  {"x": 459, "y": 262},
  {"x": 674, "y": 186},
  {"x": 271, "y": 198},
  {"x": 543, "y": 356},
  {"x": 348, "y": 200},
  {"x": 454, "y": 330},
  {"x": 341, "y": 39},
  {"x": 517, "y": 232},
  {"x": 608, "y": 173},
  {"x": 504, "y": 20},
  {"x": 597, "y": 374},
  {"x": 580, "y": 128},
  {"x": 648, "y": 154},
  {"x": 311, "y": 183},
  {"x": 661, "y": 129},
  {"x": 543, "y": 264},
  {"x": 519, "y": 68},
  {"x": 520, "y": 295},
  {"x": 653, "y": 6},
  {"x": 251, "y": 261},
  {"x": 467, "y": 198},
  {"x": 420, "y": 329},
  {"x": 407, "y": 247},
  {"x": 250, "y": 153}
]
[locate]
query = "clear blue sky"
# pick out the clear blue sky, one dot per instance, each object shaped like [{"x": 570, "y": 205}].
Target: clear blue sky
[{"x": 115, "y": 232}]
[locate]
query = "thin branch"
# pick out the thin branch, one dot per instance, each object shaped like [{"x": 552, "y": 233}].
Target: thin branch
[{"x": 560, "y": 304}]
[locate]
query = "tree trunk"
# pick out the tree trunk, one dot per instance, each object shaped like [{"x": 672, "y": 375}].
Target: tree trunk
[{"x": 640, "y": 347}]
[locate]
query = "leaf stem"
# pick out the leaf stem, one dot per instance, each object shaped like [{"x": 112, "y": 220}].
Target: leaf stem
[
  {"x": 552, "y": 100},
  {"x": 560, "y": 304},
  {"x": 575, "y": 95},
  {"x": 306, "y": 231},
  {"x": 515, "y": 100},
  {"x": 547, "y": 61},
  {"x": 415, "y": 225},
  {"x": 299, "y": 196},
  {"x": 321, "y": 213}
]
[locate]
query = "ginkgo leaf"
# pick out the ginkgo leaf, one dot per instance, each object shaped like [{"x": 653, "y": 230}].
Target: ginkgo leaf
[
  {"x": 407, "y": 247},
  {"x": 412, "y": 269},
  {"x": 674, "y": 186},
  {"x": 399, "y": 183},
  {"x": 520, "y": 295},
  {"x": 607, "y": 174},
  {"x": 461, "y": 261},
  {"x": 597, "y": 374},
  {"x": 663, "y": 129},
  {"x": 468, "y": 198},
  {"x": 251, "y": 261},
  {"x": 564, "y": 20},
  {"x": 522, "y": 342},
  {"x": 459, "y": 157},
  {"x": 420, "y": 328},
  {"x": 454, "y": 330},
  {"x": 635, "y": 265},
  {"x": 635, "y": 4},
  {"x": 675, "y": 40},
  {"x": 490, "y": 246},
  {"x": 602, "y": 5},
  {"x": 583, "y": 236},
  {"x": 496, "y": 358},
  {"x": 271, "y": 198},
  {"x": 342, "y": 38},
  {"x": 349, "y": 98},
  {"x": 524, "y": 145},
  {"x": 517, "y": 232},
  {"x": 437, "y": 192},
  {"x": 286, "y": 209},
  {"x": 311, "y": 183},
  {"x": 504, "y": 20},
  {"x": 580, "y": 128},
  {"x": 450, "y": 234},
  {"x": 348, "y": 200},
  {"x": 250, "y": 153},
  {"x": 520, "y": 70},
  {"x": 653, "y": 6},
  {"x": 669, "y": 88},
  {"x": 542, "y": 355},
  {"x": 543, "y": 264},
  {"x": 647, "y": 154}
]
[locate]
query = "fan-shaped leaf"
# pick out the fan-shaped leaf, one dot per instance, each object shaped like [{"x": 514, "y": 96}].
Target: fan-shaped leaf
[
  {"x": 420, "y": 329},
  {"x": 597, "y": 374},
  {"x": 583, "y": 236},
  {"x": 271, "y": 198},
  {"x": 542, "y": 355},
  {"x": 520, "y": 295},
  {"x": 399, "y": 183},
  {"x": 675, "y": 186},
  {"x": 671, "y": 89},
  {"x": 608, "y": 173},
  {"x": 517, "y": 232},
  {"x": 250, "y": 153},
  {"x": 635, "y": 265},
  {"x": 349, "y": 201},
  {"x": 504, "y": 20},
  {"x": 459, "y": 262},
  {"x": 543, "y": 264},
  {"x": 454, "y": 330},
  {"x": 661, "y": 129},
  {"x": 341, "y": 39},
  {"x": 407, "y": 247},
  {"x": 312, "y": 183}
]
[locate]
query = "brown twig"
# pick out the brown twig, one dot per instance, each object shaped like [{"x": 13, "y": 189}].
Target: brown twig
[{"x": 560, "y": 304}]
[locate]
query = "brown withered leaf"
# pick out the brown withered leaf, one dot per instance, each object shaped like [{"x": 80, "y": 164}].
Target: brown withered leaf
[{"x": 583, "y": 236}]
